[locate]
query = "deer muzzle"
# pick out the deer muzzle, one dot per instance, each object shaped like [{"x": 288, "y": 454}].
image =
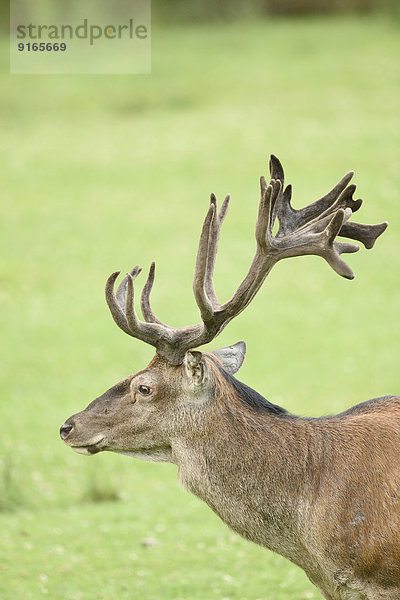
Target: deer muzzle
[{"x": 69, "y": 433}]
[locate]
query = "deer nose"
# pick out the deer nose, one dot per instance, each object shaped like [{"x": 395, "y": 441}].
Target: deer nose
[{"x": 65, "y": 430}]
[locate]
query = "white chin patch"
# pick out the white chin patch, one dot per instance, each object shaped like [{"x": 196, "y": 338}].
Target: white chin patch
[{"x": 81, "y": 450}]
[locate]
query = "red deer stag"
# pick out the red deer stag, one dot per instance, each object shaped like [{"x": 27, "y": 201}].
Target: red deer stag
[{"x": 323, "y": 492}]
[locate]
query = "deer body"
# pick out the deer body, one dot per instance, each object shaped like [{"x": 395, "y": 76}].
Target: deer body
[{"x": 325, "y": 492}]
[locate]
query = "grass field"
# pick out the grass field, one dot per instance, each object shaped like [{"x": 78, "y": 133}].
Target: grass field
[{"x": 100, "y": 173}]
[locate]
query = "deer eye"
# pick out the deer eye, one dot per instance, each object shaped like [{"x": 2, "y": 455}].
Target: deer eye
[{"x": 144, "y": 390}]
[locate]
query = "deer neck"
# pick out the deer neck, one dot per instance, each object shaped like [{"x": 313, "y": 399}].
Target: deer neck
[{"x": 251, "y": 469}]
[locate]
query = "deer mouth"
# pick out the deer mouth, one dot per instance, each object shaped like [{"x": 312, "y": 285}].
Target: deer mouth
[{"x": 89, "y": 449}]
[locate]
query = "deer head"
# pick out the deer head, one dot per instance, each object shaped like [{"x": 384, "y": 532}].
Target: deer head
[{"x": 143, "y": 414}]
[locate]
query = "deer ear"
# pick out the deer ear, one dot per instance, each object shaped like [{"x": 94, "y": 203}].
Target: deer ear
[
  {"x": 231, "y": 357},
  {"x": 195, "y": 366}
]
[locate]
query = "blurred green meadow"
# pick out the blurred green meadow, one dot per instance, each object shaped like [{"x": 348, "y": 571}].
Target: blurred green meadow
[{"x": 101, "y": 173}]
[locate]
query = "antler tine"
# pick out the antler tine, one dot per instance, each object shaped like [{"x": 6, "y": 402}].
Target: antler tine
[
  {"x": 130, "y": 313},
  {"x": 121, "y": 303},
  {"x": 265, "y": 219},
  {"x": 330, "y": 252},
  {"x": 202, "y": 261},
  {"x": 121, "y": 290},
  {"x": 213, "y": 248},
  {"x": 276, "y": 169},
  {"x": 115, "y": 309},
  {"x": 147, "y": 311},
  {"x": 367, "y": 234},
  {"x": 277, "y": 174}
]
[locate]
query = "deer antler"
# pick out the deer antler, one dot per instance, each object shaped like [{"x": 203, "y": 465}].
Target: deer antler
[{"x": 310, "y": 230}]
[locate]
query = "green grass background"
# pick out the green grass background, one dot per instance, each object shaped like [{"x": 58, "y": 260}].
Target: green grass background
[{"x": 99, "y": 173}]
